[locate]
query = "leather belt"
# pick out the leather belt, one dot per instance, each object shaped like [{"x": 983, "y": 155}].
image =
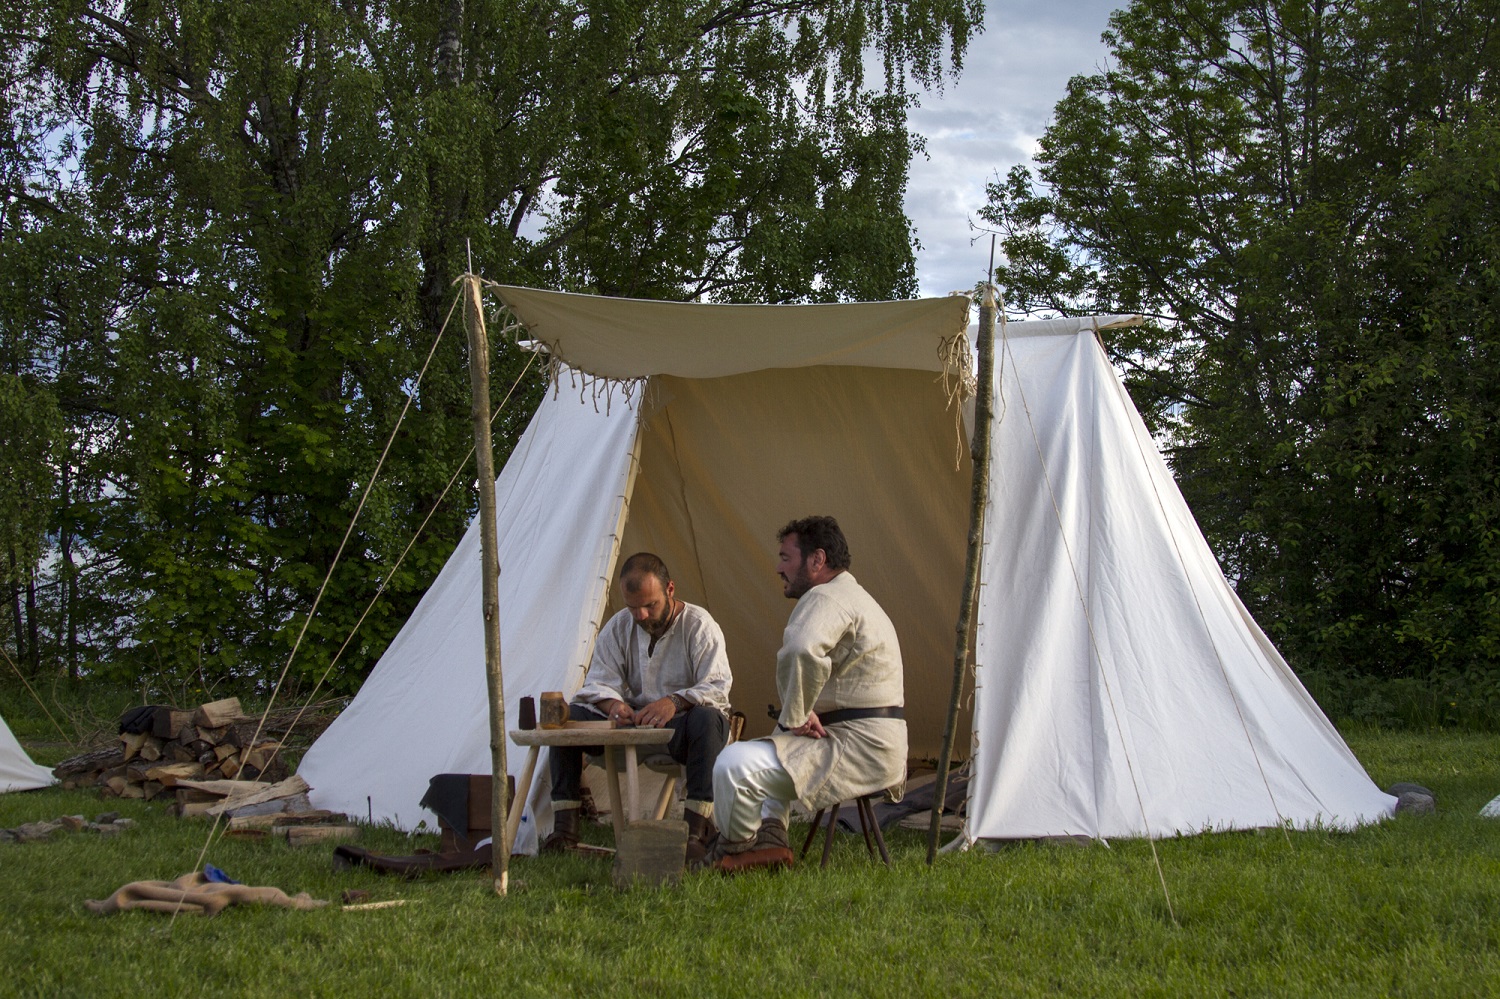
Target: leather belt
[{"x": 853, "y": 714}]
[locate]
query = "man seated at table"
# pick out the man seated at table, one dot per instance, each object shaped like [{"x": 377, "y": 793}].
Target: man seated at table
[
  {"x": 659, "y": 662},
  {"x": 841, "y": 735}
]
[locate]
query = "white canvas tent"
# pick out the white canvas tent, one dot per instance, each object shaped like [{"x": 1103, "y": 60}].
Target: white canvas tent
[
  {"x": 17, "y": 772},
  {"x": 1122, "y": 689}
]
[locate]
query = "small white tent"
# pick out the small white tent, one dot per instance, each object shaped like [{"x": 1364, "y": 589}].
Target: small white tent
[
  {"x": 17, "y": 772},
  {"x": 1121, "y": 687}
]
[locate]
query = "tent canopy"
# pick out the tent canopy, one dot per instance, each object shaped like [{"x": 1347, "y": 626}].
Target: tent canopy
[{"x": 1121, "y": 687}]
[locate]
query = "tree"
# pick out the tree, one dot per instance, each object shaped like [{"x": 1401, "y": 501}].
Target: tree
[
  {"x": 273, "y": 199},
  {"x": 1301, "y": 197}
]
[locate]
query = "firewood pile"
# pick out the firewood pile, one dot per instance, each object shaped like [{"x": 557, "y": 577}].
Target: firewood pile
[{"x": 215, "y": 741}]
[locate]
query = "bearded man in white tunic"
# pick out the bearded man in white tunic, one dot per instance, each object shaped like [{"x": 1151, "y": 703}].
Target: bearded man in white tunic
[
  {"x": 842, "y": 732},
  {"x": 659, "y": 662}
]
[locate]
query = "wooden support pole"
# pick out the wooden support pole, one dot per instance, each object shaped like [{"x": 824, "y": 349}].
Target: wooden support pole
[
  {"x": 484, "y": 455},
  {"x": 979, "y": 450}
]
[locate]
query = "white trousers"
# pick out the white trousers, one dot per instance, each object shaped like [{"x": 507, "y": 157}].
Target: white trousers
[{"x": 750, "y": 785}]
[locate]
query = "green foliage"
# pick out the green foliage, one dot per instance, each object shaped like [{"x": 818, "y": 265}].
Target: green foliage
[
  {"x": 1302, "y": 201},
  {"x": 230, "y": 232},
  {"x": 1402, "y": 908}
]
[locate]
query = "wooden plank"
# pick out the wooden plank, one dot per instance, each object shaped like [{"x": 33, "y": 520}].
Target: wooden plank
[{"x": 284, "y": 789}]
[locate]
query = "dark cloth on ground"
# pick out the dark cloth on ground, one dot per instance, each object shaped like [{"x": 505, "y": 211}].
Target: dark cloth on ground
[{"x": 346, "y": 856}]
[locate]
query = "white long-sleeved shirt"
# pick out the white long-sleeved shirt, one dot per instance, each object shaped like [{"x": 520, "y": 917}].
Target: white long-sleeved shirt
[{"x": 689, "y": 659}]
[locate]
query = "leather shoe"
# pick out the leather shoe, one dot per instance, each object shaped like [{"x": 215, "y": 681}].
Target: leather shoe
[{"x": 564, "y": 831}]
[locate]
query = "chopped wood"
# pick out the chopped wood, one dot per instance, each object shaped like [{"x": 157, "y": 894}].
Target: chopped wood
[
  {"x": 213, "y": 735},
  {"x": 132, "y": 791},
  {"x": 218, "y": 713},
  {"x": 168, "y": 723},
  {"x": 260, "y": 755},
  {"x": 151, "y": 749},
  {"x": 230, "y": 767},
  {"x": 283, "y": 789},
  {"x": 224, "y": 750},
  {"x": 193, "y": 809},
  {"x": 132, "y": 742},
  {"x": 92, "y": 762},
  {"x": 193, "y": 796},
  {"x": 180, "y": 753},
  {"x": 170, "y": 773},
  {"x": 305, "y": 835},
  {"x": 226, "y": 788},
  {"x": 117, "y": 785},
  {"x": 152, "y": 788}
]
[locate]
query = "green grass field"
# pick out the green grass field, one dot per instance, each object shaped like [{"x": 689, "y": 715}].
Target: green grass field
[{"x": 1408, "y": 907}]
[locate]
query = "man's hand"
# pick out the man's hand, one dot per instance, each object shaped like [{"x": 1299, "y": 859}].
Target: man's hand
[
  {"x": 622, "y": 714},
  {"x": 657, "y": 713},
  {"x": 812, "y": 728}
]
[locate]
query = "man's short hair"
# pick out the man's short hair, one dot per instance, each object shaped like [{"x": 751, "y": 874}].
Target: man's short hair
[
  {"x": 644, "y": 564},
  {"x": 819, "y": 532}
]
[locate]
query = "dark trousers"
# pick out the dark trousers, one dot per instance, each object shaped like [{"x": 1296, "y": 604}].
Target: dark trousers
[{"x": 698, "y": 737}]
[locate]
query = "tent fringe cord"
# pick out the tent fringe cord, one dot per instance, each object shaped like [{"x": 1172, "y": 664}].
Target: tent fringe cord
[{"x": 1093, "y": 638}]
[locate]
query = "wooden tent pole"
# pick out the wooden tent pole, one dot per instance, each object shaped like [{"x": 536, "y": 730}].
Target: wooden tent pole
[
  {"x": 484, "y": 457},
  {"x": 979, "y": 450}
]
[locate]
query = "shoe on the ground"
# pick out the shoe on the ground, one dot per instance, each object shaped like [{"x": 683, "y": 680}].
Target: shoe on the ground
[
  {"x": 564, "y": 831},
  {"x": 702, "y": 833}
]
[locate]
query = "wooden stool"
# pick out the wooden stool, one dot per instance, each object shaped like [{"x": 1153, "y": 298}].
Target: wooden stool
[{"x": 873, "y": 837}]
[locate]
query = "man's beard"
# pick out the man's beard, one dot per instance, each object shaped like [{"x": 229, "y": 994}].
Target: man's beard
[
  {"x": 798, "y": 584},
  {"x": 657, "y": 627}
]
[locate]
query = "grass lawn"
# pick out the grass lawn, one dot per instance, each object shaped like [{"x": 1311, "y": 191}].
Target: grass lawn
[{"x": 1408, "y": 907}]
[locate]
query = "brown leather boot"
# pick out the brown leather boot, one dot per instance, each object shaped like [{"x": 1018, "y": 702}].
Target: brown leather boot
[
  {"x": 701, "y": 834},
  {"x": 772, "y": 835},
  {"x": 564, "y": 831}
]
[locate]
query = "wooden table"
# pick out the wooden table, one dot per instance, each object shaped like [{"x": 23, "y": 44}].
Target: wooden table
[{"x": 628, "y": 738}]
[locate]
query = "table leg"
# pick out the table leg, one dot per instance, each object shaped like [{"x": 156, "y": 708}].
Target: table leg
[
  {"x": 616, "y": 813},
  {"x": 632, "y": 785},
  {"x": 523, "y": 790}
]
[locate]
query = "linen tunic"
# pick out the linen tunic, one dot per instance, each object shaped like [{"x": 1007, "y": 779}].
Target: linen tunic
[
  {"x": 689, "y": 660},
  {"x": 840, "y": 650}
]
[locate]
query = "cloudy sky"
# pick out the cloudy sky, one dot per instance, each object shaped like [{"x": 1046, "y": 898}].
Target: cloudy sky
[{"x": 989, "y": 121}]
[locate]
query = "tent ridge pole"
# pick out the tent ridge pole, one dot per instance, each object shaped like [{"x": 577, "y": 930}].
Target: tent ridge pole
[
  {"x": 484, "y": 458},
  {"x": 978, "y": 498}
]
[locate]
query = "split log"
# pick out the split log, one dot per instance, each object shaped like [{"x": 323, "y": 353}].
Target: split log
[
  {"x": 193, "y": 809},
  {"x": 132, "y": 741},
  {"x": 193, "y": 796},
  {"x": 305, "y": 835},
  {"x": 151, "y": 749},
  {"x": 216, "y": 714},
  {"x": 170, "y": 773},
  {"x": 211, "y": 734},
  {"x": 169, "y": 723}
]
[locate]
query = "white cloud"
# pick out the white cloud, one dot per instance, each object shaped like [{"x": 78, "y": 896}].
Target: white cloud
[{"x": 987, "y": 122}]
